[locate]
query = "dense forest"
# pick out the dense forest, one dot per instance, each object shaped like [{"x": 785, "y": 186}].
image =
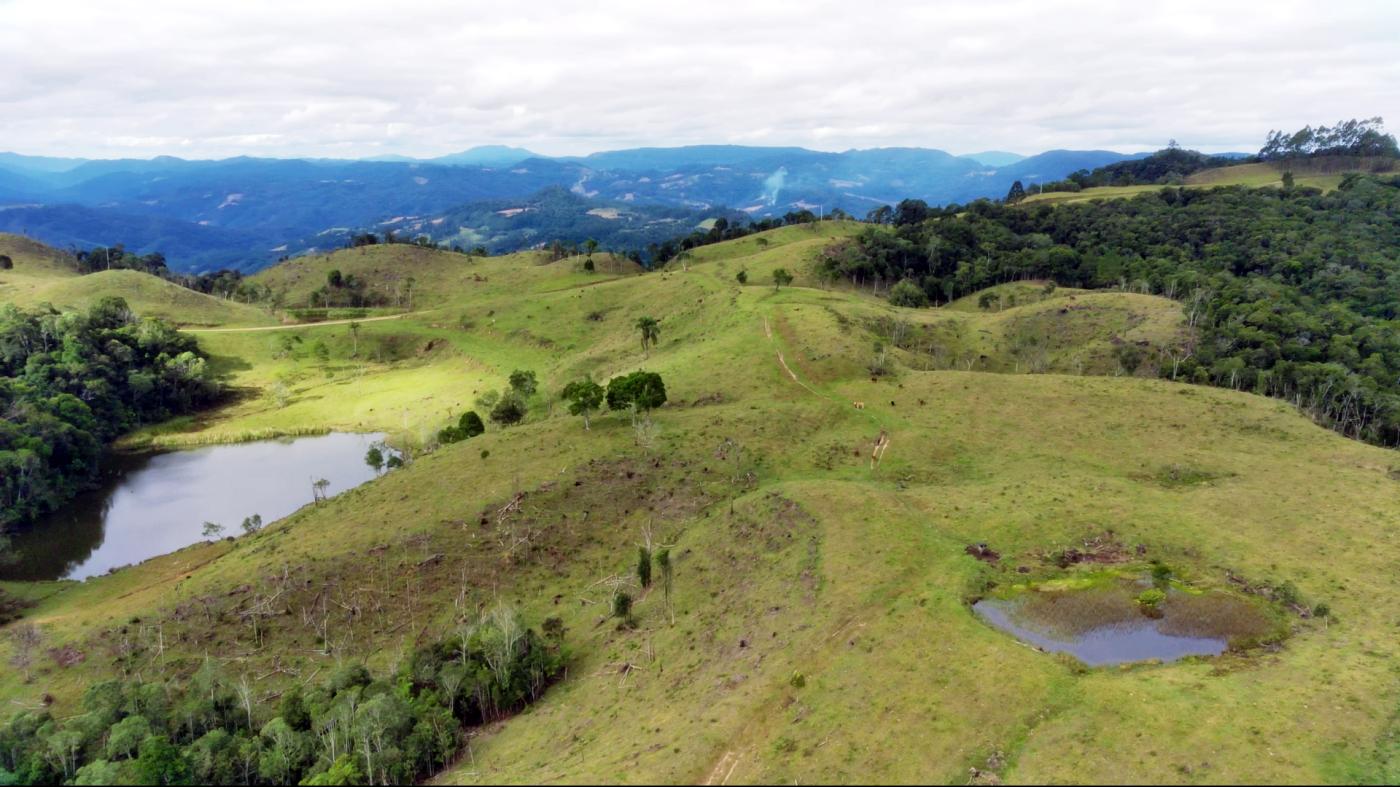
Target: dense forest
[
  {"x": 1166, "y": 167},
  {"x": 348, "y": 729},
  {"x": 71, "y": 382},
  {"x": 1291, "y": 292}
]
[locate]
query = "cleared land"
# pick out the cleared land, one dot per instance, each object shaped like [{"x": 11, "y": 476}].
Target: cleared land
[
  {"x": 1321, "y": 174},
  {"x": 821, "y": 630}
]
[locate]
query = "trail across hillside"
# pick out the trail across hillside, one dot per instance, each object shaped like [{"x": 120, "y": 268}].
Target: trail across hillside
[
  {"x": 882, "y": 443},
  {"x": 297, "y": 325}
]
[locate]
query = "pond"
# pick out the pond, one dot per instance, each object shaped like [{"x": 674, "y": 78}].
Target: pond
[
  {"x": 151, "y": 504},
  {"x": 1106, "y": 624}
]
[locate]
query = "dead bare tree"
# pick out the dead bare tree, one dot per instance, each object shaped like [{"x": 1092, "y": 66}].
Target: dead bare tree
[{"x": 25, "y": 639}]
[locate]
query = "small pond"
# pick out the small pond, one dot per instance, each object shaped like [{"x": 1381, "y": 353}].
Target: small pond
[
  {"x": 1106, "y": 624},
  {"x": 151, "y": 504}
]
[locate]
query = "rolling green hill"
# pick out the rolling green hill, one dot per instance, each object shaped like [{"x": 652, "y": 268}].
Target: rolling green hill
[
  {"x": 1322, "y": 173},
  {"x": 45, "y": 275},
  {"x": 35, "y": 266},
  {"x": 820, "y": 628}
]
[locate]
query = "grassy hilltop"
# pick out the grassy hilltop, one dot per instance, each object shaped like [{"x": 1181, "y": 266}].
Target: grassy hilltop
[
  {"x": 45, "y": 275},
  {"x": 1325, "y": 174},
  {"x": 821, "y": 628}
]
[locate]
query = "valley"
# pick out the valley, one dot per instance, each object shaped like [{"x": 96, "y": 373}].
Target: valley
[{"x": 821, "y": 626}]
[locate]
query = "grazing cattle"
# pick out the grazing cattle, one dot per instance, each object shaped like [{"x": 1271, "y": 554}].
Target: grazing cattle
[{"x": 858, "y": 405}]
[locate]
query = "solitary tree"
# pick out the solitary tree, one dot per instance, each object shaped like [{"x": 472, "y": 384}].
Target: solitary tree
[
  {"x": 252, "y": 524},
  {"x": 375, "y": 459},
  {"x": 212, "y": 529},
  {"x": 742, "y": 277},
  {"x": 650, "y": 328},
  {"x": 355, "y": 338},
  {"x": 1016, "y": 194},
  {"x": 523, "y": 383},
  {"x": 780, "y": 278},
  {"x": 590, "y": 246},
  {"x": 638, "y": 392},
  {"x": 25, "y": 639},
  {"x": 584, "y": 397}
]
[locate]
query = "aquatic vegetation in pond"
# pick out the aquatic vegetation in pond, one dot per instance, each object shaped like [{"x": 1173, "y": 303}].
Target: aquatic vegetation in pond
[{"x": 1117, "y": 620}]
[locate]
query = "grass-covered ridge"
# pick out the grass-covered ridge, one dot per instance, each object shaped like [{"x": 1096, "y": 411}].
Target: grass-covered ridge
[{"x": 821, "y": 628}]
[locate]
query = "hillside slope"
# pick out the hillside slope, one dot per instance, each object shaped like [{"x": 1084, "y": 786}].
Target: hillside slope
[
  {"x": 1323, "y": 173},
  {"x": 42, "y": 274},
  {"x": 819, "y": 629}
]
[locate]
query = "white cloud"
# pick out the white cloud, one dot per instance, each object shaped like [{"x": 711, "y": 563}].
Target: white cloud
[{"x": 352, "y": 78}]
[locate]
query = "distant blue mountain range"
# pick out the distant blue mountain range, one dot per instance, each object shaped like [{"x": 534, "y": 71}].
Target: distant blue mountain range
[{"x": 247, "y": 212}]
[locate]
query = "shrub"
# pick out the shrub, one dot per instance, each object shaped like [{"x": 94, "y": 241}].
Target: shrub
[
  {"x": 509, "y": 410},
  {"x": 523, "y": 382},
  {"x": 1151, "y": 598},
  {"x": 909, "y": 295},
  {"x": 622, "y": 605},
  {"x": 644, "y": 566},
  {"x": 470, "y": 424},
  {"x": 1161, "y": 572}
]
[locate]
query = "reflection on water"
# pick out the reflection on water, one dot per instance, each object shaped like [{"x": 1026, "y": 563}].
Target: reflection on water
[
  {"x": 152, "y": 504},
  {"x": 1105, "y": 625}
]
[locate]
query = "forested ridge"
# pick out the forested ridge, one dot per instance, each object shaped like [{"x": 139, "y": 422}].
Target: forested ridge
[
  {"x": 1292, "y": 293},
  {"x": 70, "y": 382}
]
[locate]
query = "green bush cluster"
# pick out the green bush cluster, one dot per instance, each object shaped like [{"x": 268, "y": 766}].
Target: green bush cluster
[
  {"x": 349, "y": 729},
  {"x": 468, "y": 426}
]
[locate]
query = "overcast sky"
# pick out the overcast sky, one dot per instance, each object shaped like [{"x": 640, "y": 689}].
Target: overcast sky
[{"x": 350, "y": 79}]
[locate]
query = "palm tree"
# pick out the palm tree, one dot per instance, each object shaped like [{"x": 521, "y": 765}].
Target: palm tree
[{"x": 651, "y": 331}]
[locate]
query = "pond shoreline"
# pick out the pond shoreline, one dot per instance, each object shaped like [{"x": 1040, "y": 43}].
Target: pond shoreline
[{"x": 155, "y": 501}]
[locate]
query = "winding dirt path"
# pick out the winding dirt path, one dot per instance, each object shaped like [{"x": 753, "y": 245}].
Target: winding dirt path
[{"x": 295, "y": 326}]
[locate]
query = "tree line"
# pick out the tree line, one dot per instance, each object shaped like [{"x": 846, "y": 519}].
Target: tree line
[
  {"x": 351, "y": 728},
  {"x": 70, "y": 382},
  {"x": 1171, "y": 165},
  {"x": 1289, "y": 292},
  {"x": 228, "y": 284},
  {"x": 1347, "y": 138}
]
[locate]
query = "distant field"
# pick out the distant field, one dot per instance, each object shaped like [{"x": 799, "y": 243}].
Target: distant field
[{"x": 1320, "y": 174}]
